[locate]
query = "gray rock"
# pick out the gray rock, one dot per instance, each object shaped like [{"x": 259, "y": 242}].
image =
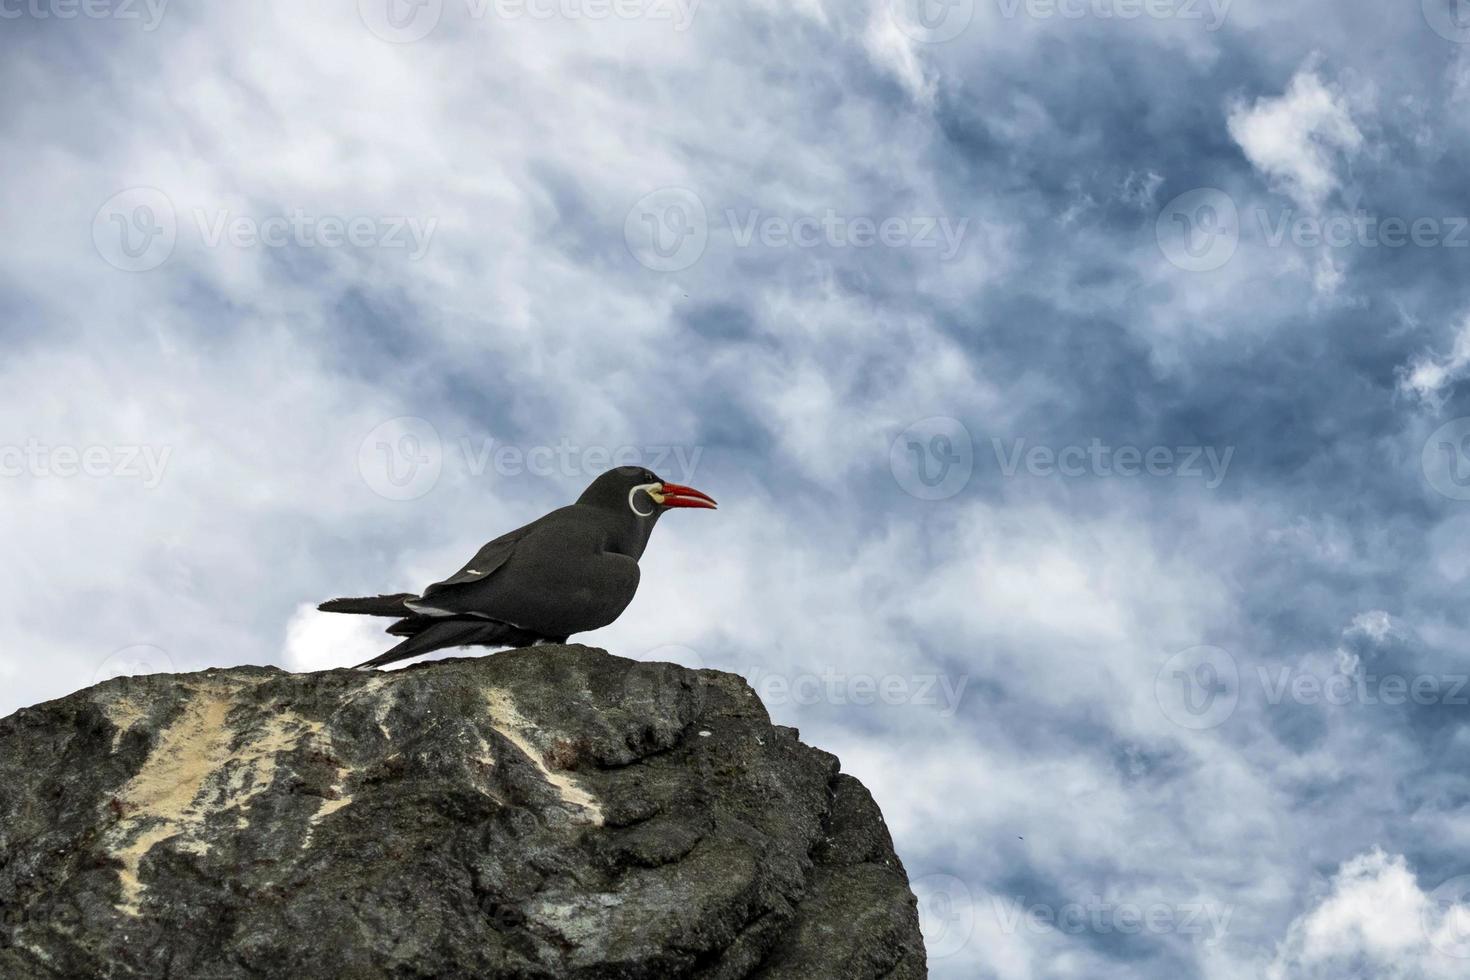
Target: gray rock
[{"x": 538, "y": 813}]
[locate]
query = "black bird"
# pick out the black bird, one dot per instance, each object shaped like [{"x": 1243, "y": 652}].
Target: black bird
[{"x": 574, "y": 570}]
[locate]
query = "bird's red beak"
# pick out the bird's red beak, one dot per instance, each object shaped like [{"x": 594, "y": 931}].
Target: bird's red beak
[{"x": 676, "y": 495}]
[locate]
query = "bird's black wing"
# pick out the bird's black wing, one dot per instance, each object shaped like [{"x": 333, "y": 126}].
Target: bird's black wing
[
  {"x": 486, "y": 561},
  {"x": 554, "y": 580}
]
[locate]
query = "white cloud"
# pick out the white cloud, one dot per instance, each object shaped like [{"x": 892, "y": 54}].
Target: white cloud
[
  {"x": 1428, "y": 376},
  {"x": 1298, "y": 139},
  {"x": 1375, "y": 624},
  {"x": 1141, "y": 189},
  {"x": 325, "y": 641},
  {"x": 1376, "y": 921},
  {"x": 891, "y": 48}
]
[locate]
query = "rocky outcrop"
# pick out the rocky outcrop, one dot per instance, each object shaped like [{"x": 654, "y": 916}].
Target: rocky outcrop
[{"x": 540, "y": 813}]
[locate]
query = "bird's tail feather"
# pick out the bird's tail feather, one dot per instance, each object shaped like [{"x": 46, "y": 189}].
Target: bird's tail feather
[
  {"x": 439, "y": 634},
  {"x": 375, "y": 605}
]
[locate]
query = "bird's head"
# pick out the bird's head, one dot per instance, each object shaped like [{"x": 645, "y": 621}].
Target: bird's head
[{"x": 641, "y": 492}]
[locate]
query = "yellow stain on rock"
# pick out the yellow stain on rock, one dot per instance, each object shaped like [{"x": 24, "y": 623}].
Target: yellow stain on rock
[
  {"x": 196, "y": 770},
  {"x": 509, "y": 722}
]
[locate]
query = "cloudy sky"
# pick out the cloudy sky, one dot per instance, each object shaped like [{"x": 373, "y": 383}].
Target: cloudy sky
[{"x": 1084, "y": 382}]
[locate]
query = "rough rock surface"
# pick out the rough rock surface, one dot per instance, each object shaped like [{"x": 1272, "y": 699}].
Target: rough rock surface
[{"x": 538, "y": 813}]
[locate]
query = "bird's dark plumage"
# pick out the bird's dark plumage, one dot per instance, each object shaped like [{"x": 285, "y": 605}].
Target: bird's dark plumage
[
  {"x": 378, "y": 605},
  {"x": 576, "y": 569}
]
